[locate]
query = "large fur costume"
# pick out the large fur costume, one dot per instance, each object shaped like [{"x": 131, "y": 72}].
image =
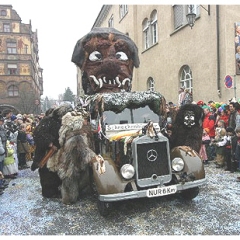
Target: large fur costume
[
  {"x": 67, "y": 170},
  {"x": 46, "y": 134},
  {"x": 72, "y": 160},
  {"x": 187, "y": 127}
]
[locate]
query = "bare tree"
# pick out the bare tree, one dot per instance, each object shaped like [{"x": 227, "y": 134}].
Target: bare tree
[{"x": 28, "y": 102}]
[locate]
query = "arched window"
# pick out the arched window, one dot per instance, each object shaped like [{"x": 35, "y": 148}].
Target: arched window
[
  {"x": 123, "y": 10},
  {"x": 154, "y": 27},
  {"x": 186, "y": 78},
  {"x": 3, "y": 13},
  {"x": 13, "y": 91},
  {"x": 145, "y": 26},
  {"x": 150, "y": 84}
]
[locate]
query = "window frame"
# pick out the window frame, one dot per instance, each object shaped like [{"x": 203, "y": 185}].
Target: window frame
[
  {"x": 154, "y": 27},
  {"x": 186, "y": 78},
  {"x": 6, "y": 27},
  {"x": 13, "y": 91},
  {"x": 180, "y": 12},
  {"x": 150, "y": 30},
  {"x": 12, "y": 70},
  {"x": 111, "y": 21},
  {"x": 146, "y": 39},
  {"x": 150, "y": 84},
  {"x": 11, "y": 49},
  {"x": 3, "y": 13},
  {"x": 123, "y": 10}
]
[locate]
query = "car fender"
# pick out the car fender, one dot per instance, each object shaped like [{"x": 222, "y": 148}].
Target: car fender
[
  {"x": 193, "y": 163},
  {"x": 110, "y": 181}
]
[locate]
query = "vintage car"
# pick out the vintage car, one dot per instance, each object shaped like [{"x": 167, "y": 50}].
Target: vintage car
[{"x": 138, "y": 161}]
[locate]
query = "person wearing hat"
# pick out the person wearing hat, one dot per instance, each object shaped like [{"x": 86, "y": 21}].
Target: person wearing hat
[{"x": 200, "y": 103}]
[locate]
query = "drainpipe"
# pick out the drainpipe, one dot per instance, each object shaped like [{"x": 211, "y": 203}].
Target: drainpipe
[{"x": 218, "y": 53}]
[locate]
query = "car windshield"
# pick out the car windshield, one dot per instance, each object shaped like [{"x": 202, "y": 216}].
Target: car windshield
[{"x": 140, "y": 115}]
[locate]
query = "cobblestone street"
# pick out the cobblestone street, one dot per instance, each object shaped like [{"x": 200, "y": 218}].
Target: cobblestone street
[{"x": 215, "y": 211}]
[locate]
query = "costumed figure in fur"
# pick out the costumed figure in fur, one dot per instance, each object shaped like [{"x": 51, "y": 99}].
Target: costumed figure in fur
[
  {"x": 46, "y": 136},
  {"x": 187, "y": 127}
]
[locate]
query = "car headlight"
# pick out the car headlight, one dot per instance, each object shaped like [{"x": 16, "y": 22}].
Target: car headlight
[
  {"x": 177, "y": 164},
  {"x": 127, "y": 171}
]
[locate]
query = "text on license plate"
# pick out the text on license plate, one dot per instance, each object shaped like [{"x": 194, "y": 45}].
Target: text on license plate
[{"x": 161, "y": 191}]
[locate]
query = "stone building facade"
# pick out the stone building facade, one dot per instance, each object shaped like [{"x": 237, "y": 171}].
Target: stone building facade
[
  {"x": 21, "y": 80},
  {"x": 172, "y": 54}
]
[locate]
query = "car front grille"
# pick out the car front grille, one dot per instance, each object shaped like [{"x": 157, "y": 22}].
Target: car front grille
[{"x": 152, "y": 159}]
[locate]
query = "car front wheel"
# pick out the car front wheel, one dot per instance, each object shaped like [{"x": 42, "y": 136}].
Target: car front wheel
[
  {"x": 103, "y": 207},
  {"x": 191, "y": 193}
]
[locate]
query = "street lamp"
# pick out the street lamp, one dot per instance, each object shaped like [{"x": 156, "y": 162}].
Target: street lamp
[{"x": 191, "y": 16}]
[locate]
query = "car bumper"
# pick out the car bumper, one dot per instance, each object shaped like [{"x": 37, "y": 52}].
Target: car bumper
[{"x": 144, "y": 193}]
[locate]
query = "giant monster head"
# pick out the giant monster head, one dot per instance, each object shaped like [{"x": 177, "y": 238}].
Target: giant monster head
[{"x": 106, "y": 58}]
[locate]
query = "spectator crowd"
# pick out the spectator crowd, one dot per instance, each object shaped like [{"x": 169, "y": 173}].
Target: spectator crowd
[
  {"x": 220, "y": 137},
  {"x": 16, "y": 144}
]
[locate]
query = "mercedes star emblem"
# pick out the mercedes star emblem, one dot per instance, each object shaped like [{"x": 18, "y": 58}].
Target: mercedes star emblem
[{"x": 152, "y": 155}]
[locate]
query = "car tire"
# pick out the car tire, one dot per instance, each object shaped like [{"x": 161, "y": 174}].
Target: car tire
[
  {"x": 190, "y": 193},
  {"x": 104, "y": 207}
]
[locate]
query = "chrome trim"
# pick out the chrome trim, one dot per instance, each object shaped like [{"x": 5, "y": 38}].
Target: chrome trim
[{"x": 143, "y": 193}]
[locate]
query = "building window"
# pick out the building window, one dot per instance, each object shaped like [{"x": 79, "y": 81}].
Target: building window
[
  {"x": 186, "y": 78},
  {"x": 150, "y": 30},
  {"x": 180, "y": 12},
  {"x": 3, "y": 13},
  {"x": 123, "y": 10},
  {"x": 6, "y": 27},
  {"x": 110, "y": 22},
  {"x": 11, "y": 48},
  {"x": 25, "y": 49},
  {"x": 12, "y": 69},
  {"x": 146, "y": 34},
  {"x": 153, "y": 24},
  {"x": 150, "y": 84},
  {"x": 13, "y": 91}
]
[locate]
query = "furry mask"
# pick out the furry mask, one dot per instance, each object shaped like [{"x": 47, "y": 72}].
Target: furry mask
[
  {"x": 106, "y": 58},
  {"x": 189, "y": 119}
]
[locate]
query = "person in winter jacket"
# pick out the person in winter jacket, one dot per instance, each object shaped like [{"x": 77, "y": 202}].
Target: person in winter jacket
[
  {"x": 209, "y": 124},
  {"x": 228, "y": 147},
  {"x": 22, "y": 147},
  {"x": 235, "y": 151},
  {"x": 233, "y": 116}
]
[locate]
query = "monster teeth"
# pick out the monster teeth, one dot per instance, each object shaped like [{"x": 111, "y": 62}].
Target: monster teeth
[
  {"x": 125, "y": 80},
  {"x": 94, "y": 79},
  {"x": 100, "y": 83},
  {"x": 118, "y": 82}
]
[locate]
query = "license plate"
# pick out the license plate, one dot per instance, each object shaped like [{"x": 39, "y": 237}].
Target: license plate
[{"x": 161, "y": 191}]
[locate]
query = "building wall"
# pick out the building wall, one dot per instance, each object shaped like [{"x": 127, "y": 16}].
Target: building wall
[
  {"x": 196, "y": 47},
  {"x": 28, "y": 76}
]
